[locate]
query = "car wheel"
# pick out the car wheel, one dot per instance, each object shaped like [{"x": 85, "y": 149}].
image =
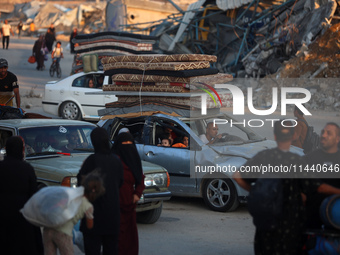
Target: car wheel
[
  {"x": 70, "y": 110},
  {"x": 220, "y": 195},
  {"x": 150, "y": 216}
]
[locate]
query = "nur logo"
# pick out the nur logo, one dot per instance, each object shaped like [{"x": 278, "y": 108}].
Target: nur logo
[{"x": 239, "y": 101}]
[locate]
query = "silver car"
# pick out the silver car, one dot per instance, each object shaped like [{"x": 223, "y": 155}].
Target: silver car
[
  {"x": 193, "y": 170},
  {"x": 46, "y": 143}
]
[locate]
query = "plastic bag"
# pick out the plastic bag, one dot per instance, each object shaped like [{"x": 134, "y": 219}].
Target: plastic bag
[{"x": 53, "y": 206}]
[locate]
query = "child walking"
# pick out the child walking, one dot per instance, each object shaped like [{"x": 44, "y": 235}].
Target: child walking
[{"x": 61, "y": 237}]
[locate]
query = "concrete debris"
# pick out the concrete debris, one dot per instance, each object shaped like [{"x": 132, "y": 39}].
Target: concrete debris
[
  {"x": 88, "y": 17},
  {"x": 325, "y": 93},
  {"x": 251, "y": 38}
]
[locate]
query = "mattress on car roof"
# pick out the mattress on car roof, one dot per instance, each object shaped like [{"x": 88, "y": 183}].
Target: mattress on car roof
[
  {"x": 157, "y": 58},
  {"x": 208, "y": 79},
  {"x": 143, "y": 47},
  {"x": 171, "y": 66}
]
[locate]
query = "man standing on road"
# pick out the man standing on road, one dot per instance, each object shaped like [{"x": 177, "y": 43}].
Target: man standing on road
[
  {"x": 20, "y": 25},
  {"x": 287, "y": 236},
  {"x": 8, "y": 85},
  {"x": 6, "y": 32},
  {"x": 327, "y": 155}
]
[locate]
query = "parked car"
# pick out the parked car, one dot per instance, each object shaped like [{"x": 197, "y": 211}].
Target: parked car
[
  {"x": 46, "y": 150},
  {"x": 219, "y": 191},
  {"x": 66, "y": 98}
]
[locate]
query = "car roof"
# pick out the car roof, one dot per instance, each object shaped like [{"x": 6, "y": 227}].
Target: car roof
[{"x": 19, "y": 123}]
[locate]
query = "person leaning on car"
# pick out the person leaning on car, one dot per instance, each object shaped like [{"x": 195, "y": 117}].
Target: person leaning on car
[
  {"x": 211, "y": 134},
  {"x": 9, "y": 87}
]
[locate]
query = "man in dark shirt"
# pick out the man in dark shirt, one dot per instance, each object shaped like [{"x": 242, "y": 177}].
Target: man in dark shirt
[
  {"x": 328, "y": 154},
  {"x": 9, "y": 87},
  {"x": 288, "y": 237}
]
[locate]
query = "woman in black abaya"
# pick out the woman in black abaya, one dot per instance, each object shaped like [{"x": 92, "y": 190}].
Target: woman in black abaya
[{"x": 17, "y": 236}]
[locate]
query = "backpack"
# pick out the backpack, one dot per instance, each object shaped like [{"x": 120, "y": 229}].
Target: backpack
[
  {"x": 9, "y": 112},
  {"x": 312, "y": 140},
  {"x": 265, "y": 203}
]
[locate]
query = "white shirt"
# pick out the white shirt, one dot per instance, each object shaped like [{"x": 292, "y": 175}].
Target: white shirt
[
  {"x": 6, "y": 28},
  {"x": 57, "y": 52},
  {"x": 204, "y": 138}
]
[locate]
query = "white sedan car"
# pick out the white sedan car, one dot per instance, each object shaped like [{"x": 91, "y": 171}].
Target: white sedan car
[{"x": 66, "y": 98}]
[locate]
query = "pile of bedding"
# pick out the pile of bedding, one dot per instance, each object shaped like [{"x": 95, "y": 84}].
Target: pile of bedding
[
  {"x": 172, "y": 81},
  {"x": 107, "y": 44}
]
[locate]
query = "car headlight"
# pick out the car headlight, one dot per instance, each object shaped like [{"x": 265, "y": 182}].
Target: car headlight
[
  {"x": 70, "y": 181},
  {"x": 159, "y": 180}
]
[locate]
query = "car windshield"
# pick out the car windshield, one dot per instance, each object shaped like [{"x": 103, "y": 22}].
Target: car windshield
[
  {"x": 231, "y": 130},
  {"x": 57, "y": 139}
]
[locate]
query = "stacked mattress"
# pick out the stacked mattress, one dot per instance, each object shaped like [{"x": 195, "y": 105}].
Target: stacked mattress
[
  {"x": 106, "y": 44},
  {"x": 172, "y": 81}
]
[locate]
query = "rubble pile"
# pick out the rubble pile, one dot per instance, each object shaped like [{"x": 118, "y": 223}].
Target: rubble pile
[
  {"x": 324, "y": 53},
  {"x": 249, "y": 38},
  {"x": 325, "y": 92},
  {"x": 88, "y": 17}
]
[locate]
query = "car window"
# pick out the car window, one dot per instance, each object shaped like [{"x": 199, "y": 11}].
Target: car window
[
  {"x": 230, "y": 133},
  {"x": 84, "y": 81},
  {"x": 57, "y": 139},
  {"x": 135, "y": 126},
  {"x": 98, "y": 80},
  {"x": 164, "y": 128},
  {"x": 4, "y": 135}
]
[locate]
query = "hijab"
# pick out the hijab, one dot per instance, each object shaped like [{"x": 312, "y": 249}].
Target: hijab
[
  {"x": 100, "y": 140},
  {"x": 129, "y": 155},
  {"x": 15, "y": 147}
]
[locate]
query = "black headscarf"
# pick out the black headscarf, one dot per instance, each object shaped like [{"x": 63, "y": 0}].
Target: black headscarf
[
  {"x": 129, "y": 154},
  {"x": 15, "y": 147},
  {"x": 100, "y": 140}
]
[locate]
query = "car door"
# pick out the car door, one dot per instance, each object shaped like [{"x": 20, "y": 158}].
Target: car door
[
  {"x": 175, "y": 160},
  {"x": 90, "y": 104}
]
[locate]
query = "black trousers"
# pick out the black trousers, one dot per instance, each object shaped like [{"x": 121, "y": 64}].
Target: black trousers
[
  {"x": 93, "y": 244},
  {"x": 5, "y": 39}
]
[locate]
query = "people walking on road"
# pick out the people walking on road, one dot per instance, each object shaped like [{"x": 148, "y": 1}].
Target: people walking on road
[
  {"x": 52, "y": 29},
  {"x": 129, "y": 193},
  {"x": 300, "y": 130},
  {"x": 286, "y": 237},
  {"x": 20, "y": 25},
  {"x": 9, "y": 87},
  {"x": 38, "y": 52},
  {"x": 17, "y": 236},
  {"x": 105, "y": 231},
  {"x": 73, "y": 34},
  {"x": 50, "y": 39},
  {"x": 6, "y": 32},
  {"x": 327, "y": 155},
  {"x": 61, "y": 237},
  {"x": 32, "y": 29}
]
